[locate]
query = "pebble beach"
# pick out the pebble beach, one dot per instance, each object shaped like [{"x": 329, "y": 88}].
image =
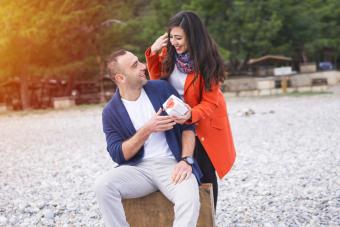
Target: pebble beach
[{"x": 286, "y": 171}]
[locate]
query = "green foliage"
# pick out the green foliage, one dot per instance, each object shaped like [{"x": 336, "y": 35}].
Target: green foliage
[{"x": 73, "y": 37}]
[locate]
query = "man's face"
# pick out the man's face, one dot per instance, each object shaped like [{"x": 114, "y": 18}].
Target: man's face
[{"x": 132, "y": 69}]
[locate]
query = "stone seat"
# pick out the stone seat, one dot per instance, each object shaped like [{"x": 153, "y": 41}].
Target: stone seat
[{"x": 156, "y": 210}]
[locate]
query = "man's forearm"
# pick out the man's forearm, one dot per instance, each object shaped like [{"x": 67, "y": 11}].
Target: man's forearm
[
  {"x": 188, "y": 143},
  {"x": 131, "y": 146}
]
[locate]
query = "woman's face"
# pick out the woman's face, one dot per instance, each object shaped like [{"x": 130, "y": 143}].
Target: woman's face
[{"x": 178, "y": 39}]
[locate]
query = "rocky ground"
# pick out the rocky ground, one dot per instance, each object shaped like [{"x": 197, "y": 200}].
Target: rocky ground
[{"x": 286, "y": 173}]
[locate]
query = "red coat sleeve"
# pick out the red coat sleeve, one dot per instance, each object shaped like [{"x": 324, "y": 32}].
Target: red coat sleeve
[{"x": 154, "y": 62}]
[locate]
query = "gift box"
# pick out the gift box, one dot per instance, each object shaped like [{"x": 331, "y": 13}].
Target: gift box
[{"x": 174, "y": 106}]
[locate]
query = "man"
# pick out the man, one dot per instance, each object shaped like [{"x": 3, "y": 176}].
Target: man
[{"x": 153, "y": 152}]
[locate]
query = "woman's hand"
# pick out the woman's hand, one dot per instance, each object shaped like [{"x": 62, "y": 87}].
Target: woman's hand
[
  {"x": 161, "y": 42},
  {"x": 182, "y": 119}
]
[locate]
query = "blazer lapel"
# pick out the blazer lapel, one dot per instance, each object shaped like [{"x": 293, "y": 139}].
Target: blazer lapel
[
  {"x": 153, "y": 96},
  {"x": 123, "y": 114}
]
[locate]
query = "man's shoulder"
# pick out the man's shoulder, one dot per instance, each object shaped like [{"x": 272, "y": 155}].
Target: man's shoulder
[
  {"x": 158, "y": 84},
  {"x": 110, "y": 105}
]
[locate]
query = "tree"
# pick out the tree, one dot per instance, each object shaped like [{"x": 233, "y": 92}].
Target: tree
[{"x": 52, "y": 38}]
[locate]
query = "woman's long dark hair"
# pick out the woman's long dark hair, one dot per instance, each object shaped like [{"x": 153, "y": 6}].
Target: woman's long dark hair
[{"x": 202, "y": 49}]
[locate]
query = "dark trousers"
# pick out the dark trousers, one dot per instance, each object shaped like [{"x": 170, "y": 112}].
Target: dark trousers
[{"x": 208, "y": 170}]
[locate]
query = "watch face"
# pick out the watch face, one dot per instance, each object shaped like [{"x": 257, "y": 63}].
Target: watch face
[{"x": 190, "y": 160}]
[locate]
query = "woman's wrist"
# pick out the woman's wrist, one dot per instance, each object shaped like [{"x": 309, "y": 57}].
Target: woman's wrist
[{"x": 153, "y": 50}]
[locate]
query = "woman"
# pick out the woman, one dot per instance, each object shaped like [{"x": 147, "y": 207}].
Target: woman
[{"x": 187, "y": 57}]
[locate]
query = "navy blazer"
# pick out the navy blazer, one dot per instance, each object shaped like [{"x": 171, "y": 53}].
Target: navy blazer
[{"x": 118, "y": 126}]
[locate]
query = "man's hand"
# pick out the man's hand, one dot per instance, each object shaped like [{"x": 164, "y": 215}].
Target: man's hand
[
  {"x": 182, "y": 119},
  {"x": 160, "y": 42},
  {"x": 159, "y": 123},
  {"x": 182, "y": 171}
]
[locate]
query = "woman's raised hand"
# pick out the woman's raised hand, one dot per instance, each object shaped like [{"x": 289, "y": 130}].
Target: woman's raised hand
[{"x": 159, "y": 43}]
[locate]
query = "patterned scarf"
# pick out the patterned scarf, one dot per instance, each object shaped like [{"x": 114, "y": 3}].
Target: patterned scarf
[{"x": 184, "y": 63}]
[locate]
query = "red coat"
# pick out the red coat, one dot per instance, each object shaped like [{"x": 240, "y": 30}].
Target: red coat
[{"x": 209, "y": 113}]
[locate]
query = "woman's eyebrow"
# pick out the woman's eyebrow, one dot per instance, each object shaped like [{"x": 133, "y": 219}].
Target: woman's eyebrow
[{"x": 177, "y": 36}]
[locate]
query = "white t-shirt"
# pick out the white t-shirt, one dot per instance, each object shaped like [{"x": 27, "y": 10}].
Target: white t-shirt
[
  {"x": 177, "y": 80},
  {"x": 141, "y": 111}
]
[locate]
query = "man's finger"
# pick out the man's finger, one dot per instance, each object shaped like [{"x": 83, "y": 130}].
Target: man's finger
[
  {"x": 178, "y": 176},
  {"x": 159, "y": 111},
  {"x": 183, "y": 175},
  {"x": 164, "y": 128},
  {"x": 165, "y": 123},
  {"x": 174, "y": 174},
  {"x": 161, "y": 125},
  {"x": 164, "y": 120},
  {"x": 160, "y": 117}
]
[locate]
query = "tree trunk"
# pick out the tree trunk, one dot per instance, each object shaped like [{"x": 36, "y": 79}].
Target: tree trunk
[
  {"x": 304, "y": 55},
  {"x": 101, "y": 77},
  {"x": 24, "y": 93},
  {"x": 70, "y": 85}
]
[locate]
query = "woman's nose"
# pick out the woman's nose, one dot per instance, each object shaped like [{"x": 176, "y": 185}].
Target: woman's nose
[{"x": 173, "y": 42}]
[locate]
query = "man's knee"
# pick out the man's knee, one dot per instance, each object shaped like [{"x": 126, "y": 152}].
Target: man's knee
[
  {"x": 190, "y": 200},
  {"x": 187, "y": 206},
  {"x": 104, "y": 188},
  {"x": 189, "y": 196}
]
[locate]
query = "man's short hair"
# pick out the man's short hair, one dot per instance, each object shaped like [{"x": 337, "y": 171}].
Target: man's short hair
[{"x": 112, "y": 64}]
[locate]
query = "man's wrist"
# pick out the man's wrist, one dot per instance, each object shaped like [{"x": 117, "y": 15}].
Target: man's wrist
[
  {"x": 186, "y": 163},
  {"x": 188, "y": 159},
  {"x": 146, "y": 131}
]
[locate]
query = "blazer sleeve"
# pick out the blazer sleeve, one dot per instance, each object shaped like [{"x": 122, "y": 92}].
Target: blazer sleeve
[
  {"x": 154, "y": 62},
  {"x": 114, "y": 140},
  {"x": 208, "y": 104}
]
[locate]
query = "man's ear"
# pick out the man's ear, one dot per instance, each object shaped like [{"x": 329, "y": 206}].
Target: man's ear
[{"x": 119, "y": 77}]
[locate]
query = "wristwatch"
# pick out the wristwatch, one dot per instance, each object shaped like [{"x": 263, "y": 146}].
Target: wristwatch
[{"x": 188, "y": 159}]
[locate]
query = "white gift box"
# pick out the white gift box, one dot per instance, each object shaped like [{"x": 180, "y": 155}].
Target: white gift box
[{"x": 174, "y": 106}]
